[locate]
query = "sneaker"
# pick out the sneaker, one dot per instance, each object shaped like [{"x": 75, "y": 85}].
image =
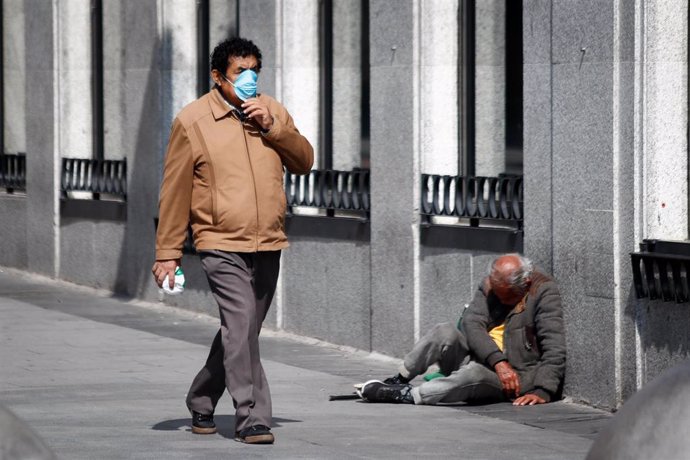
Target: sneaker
[
  {"x": 380, "y": 392},
  {"x": 257, "y": 434},
  {"x": 203, "y": 423},
  {"x": 397, "y": 379}
]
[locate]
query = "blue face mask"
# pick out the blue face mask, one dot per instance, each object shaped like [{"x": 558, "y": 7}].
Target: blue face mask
[{"x": 245, "y": 85}]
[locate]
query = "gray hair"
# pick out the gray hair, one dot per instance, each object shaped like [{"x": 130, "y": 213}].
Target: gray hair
[{"x": 520, "y": 276}]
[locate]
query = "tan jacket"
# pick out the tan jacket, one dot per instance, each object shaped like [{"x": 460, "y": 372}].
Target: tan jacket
[{"x": 226, "y": 178}]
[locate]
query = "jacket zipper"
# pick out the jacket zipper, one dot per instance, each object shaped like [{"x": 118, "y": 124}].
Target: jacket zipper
[{"x": 256, "y": 195}]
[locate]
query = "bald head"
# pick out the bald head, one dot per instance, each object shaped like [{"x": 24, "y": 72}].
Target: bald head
[
  {"x": 506, "y": 265},
  {"x": 510, "y": 277}
]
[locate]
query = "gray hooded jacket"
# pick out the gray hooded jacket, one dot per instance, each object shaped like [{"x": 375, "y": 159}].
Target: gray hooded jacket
[{"x": 534, "y": 337}]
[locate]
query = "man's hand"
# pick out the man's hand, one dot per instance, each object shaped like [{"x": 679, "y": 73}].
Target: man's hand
[
  {"x": 258, "y": 112},
  {"x": 165, "y": 267},
  {"x": 509, "y": 378},
  {"x": 528, "y": 400}
]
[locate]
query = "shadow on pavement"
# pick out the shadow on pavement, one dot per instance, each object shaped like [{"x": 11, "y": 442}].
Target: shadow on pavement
[
  {"x": 224, "y": 423},
  {"x": 558, "y": 416}
]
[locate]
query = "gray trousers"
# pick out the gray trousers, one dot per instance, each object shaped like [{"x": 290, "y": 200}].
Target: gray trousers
[
  {"x": 243, "y": 285},
  {"x": 466, "y": 381}
]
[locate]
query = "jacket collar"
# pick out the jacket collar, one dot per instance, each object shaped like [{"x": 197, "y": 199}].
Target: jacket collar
[
  {"x": 219, "y": 107},
  {"x": 520, "y": 307}
]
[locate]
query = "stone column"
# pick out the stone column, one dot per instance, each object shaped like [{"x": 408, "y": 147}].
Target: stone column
[
  {"x": 347, "y": 84},
  {"x": 299, "y": 87},
  {"x": 661, "y": 170},
  {"x": 75, "y": 76},
  {"x": 592, "y": 151},
  {"x": 665, "y": 150},
  {"x": 42, "y": 143},
  {"x": 623, "y": 198},
  {"x": 490, "y": 88},
  {"x": 538, "y": 161},
  {"x": 261, "y": 22},
  {"x": 143, "y": 107},
  {"x": 439, "y": 86},
  {"x": 13, "y": 226},
  {"x": 114, "y": 92},
  {"x": 179, "y": 64},
  {"x": 15, "y": 76},
  {"x": 287, "y": 32},
  {"x": 582, "y": 136},
  {"x": 395, "y": 174}
]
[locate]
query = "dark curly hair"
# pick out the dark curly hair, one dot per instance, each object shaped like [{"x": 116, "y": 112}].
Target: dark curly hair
[{"x": 233, "y": 47}]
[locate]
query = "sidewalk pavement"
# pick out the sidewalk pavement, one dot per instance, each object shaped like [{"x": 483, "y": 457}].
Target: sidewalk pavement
[{"x": 99, "y": 377}]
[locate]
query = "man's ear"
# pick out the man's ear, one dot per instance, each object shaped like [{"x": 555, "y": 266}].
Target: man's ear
[
  {"x": 216, "y": 77},
  {"x": 487, "y": 285}
]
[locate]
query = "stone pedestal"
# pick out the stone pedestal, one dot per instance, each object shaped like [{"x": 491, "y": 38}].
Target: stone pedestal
[
  {"x": 42, "y": 140},
  {"x": 395, "y": 170}
]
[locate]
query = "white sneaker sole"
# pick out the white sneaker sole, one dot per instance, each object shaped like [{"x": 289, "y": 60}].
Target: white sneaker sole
[{"x": 360, "y": 391}]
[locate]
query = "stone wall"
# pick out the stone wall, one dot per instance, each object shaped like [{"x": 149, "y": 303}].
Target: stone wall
[{"x": 605, "y": 161}]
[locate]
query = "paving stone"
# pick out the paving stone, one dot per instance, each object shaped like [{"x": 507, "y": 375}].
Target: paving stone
[{"x": 102, "y": 377}]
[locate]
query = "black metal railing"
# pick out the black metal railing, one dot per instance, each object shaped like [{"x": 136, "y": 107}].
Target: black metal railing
[
  {"x": 476, "y": 198},
  {"x": 95, "y": 176},
  {"x": 322, "y": 189},
  {"x": 330, "y": 190},
  {"x": 13, "y": 172},
  {"x": 661, "y": 270}
]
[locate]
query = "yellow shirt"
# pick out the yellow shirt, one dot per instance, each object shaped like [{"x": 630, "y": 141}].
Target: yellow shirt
[{"x": 497, "y": 334}]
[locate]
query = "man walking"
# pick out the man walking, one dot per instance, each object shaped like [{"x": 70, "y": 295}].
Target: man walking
[
  {"x": 511, "y": 346},
  {"x": 223, "y": 174}
]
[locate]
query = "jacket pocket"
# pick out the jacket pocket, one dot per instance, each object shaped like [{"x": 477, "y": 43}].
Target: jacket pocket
[
  {"x": 214, "y": 206},
  {"x": 531, "y": 340},
  {"x": 523, "y": 350}
]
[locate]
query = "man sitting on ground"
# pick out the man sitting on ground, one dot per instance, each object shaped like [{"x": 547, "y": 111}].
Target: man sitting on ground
[{"x": 510, "y": 346}]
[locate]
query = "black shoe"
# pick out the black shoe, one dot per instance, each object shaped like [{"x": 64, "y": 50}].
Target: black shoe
[
  {"x": 379, "y": 392},
  {"x": 202, "y": 423},
  {"x": 397, "y": 379},
  {"x": 257, "y": 434}
]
